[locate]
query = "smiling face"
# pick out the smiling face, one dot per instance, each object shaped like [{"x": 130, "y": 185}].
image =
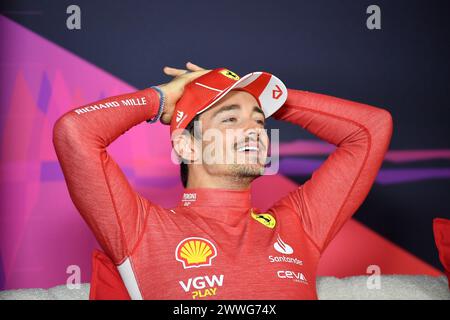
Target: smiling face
[{"x": 233, "y": 143}]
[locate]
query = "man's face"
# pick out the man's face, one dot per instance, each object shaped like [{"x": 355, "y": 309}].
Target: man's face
[{"x": 234, "y": 142}]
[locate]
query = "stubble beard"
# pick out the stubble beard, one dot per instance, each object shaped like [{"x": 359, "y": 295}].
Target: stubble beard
[{"x": 246, "y": 171}]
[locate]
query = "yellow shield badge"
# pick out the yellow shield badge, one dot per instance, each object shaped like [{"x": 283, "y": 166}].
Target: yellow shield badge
[
  {"x": 229, "y": 74},
  {"x": 266, "y": 219}
]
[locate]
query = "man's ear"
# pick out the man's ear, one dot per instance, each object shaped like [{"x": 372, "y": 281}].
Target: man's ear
[{"x": 185, "y": 147}]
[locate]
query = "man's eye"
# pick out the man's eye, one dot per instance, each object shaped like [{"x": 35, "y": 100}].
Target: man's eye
[
  {"x": 232, "y": 119},
  {"x": 260, "y": 122}
]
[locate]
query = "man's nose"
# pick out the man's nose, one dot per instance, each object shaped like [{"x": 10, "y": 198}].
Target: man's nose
[
  {"x": 251, "y": 125},
  {"x": 251, "y": 133}
]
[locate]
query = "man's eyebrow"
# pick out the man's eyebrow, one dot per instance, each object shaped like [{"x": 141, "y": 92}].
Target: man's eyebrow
[
  {"x": 259, "y": 110},
  {"x": 226, "y": 108},
  {"x": 234, "y": 107}
]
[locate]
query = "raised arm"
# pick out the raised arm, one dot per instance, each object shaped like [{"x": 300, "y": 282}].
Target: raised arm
[
  {"x": 335, "y": 191},
  {"x": 97, "y": 186}
]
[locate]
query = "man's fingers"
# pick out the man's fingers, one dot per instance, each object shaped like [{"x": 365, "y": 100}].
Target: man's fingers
[
  {"x": 193, "y": 67},
  {"x": 193, "y": 75},
  {"x": 173, "y": 71},
  {"x": 185, "y": 76},
  {"x": 165, "y": 119}
]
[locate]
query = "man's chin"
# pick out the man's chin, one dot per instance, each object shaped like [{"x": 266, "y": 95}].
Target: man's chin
[{"x": 247, "y": 170}]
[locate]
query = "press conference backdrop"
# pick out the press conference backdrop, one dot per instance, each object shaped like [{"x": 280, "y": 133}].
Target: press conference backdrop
[{"x": 51, "y": 63}]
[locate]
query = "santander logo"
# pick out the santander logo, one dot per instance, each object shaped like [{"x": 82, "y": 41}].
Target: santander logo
[{"x": 282, "y": 247}]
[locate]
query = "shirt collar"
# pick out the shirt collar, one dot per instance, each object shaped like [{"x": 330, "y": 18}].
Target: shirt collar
[{"x": 210, "y": 197}]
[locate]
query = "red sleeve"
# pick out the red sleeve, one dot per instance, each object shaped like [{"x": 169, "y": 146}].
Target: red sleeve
[
  {"x": 334, "y": 192},
  {"x": 97, "y": 186}
]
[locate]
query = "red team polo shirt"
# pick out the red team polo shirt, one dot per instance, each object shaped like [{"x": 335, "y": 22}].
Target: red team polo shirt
[{"x": 214, "y": 244}]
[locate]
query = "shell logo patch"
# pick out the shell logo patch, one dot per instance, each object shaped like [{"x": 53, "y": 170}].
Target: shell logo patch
[
  {"x": 195, "y": 252},
  {"x": 229, "y": 74},
  {"x": 266, "y": 219}
]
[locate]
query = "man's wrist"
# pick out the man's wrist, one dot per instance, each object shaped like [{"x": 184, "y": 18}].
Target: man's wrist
[{"x": 162, "y": 100}]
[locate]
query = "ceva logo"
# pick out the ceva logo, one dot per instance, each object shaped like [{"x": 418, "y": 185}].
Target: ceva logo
[{"x": 295, "y": 276}]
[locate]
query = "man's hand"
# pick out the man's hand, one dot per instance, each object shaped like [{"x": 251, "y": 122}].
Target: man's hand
[{"x": 174, "y": 89}]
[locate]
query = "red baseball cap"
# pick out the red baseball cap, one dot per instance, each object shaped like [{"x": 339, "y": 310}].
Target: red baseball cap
[{"x": 200, "y": 94}]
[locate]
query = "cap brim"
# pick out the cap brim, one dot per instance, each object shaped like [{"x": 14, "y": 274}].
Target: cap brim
[{"x": 270, "y": 92}]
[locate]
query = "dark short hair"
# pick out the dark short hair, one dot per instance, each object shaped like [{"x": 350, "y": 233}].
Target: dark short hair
[{"x": 184, "y": 169}]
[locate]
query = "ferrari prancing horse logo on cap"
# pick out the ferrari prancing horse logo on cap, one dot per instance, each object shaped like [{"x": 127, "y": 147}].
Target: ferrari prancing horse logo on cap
[{"x": 229, "y": 74}]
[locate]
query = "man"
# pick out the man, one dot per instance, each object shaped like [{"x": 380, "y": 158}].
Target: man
[{"x": 214, "y": 244}]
